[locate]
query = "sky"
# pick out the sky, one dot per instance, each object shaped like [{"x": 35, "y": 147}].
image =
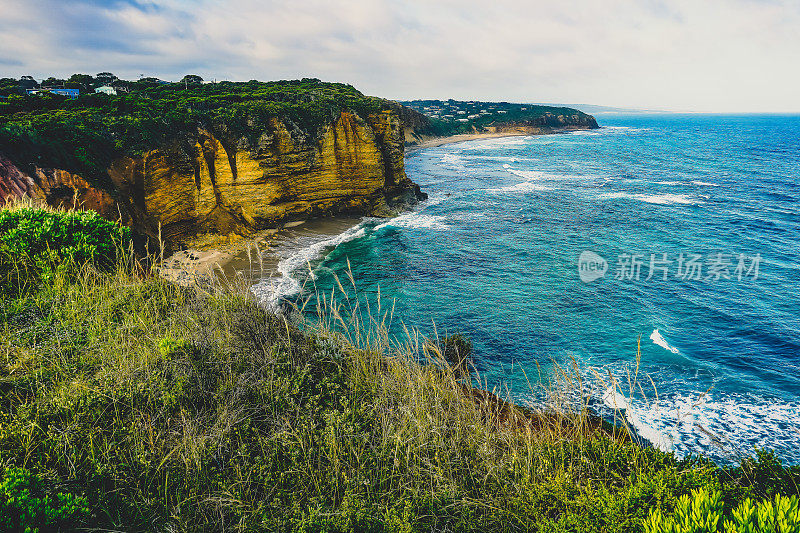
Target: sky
[{"x": 681, "y": 55}]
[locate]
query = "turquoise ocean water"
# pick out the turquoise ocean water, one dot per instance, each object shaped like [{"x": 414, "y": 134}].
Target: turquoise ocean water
[{"x": 712, "y": 203}]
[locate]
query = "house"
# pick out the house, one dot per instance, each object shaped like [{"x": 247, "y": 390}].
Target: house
[
  {"x": 106, "y": 89},
  {"x": 69, "y": 93}
]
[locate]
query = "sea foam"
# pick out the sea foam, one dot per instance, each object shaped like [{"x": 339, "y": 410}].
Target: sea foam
[
  {"x": 659, "y": 340},
  {"x": 724, "y": 427},
  {"x": 661, "y": 199},
  {"x": 525, "y": 186},
  {"x": 415, "y": 220},
  {"x": 271, "y": 292},
  {"x": 615, "y": 400}
]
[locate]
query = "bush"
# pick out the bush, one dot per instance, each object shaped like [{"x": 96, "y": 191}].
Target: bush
[
  {"x": 702, "y": 512},
  {"x": 25, "y": 505},
  {"x": 37, "y": 242},
  {"x": 16, "y": 272}
]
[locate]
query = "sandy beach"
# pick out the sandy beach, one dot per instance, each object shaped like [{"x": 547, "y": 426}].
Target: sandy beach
[
  {"x": 211, "y": 256},
  {"x": 439, "y": 141},
  {"x": 250, "y": 258}
]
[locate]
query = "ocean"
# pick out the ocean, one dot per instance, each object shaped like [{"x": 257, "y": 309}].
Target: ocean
[{"x": 679, "y": 230}]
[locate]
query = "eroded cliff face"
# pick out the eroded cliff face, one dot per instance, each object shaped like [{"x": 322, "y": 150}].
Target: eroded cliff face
[
  {"x": 55, "y": 187},
  {"x": 215, "y": 183}
]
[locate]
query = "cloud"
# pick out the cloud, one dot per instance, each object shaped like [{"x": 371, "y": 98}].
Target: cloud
[{"x": 716, "y": 55}]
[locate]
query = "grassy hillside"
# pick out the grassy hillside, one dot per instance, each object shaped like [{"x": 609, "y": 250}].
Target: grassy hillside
[
  {"x": 84, "y": 135},
  {"x": 128, "y": 403}
]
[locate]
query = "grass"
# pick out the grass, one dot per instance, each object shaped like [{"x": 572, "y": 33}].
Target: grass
[{"x": 153, "y": 407}]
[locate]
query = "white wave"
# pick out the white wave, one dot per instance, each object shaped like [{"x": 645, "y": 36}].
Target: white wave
[
  {"x": 661, "y": 199},
  {"x": 511, "y": 140},
  {"x": 617, "y": 401},
  {"x": 659, "y": 340},
  {"x": 611, "y": 130},
  {"x": 723, "y": 427},
  {"x": 271, "y": 291},
  {"x": 538, "y": 175},
  {"x": 415, "y": 219},
  {"x": 453, "y": 160},
  {"x": 670, "y": 182},
  {"x": 525, "y": 186},
  {"x": 666, "y": 199},
  {"x": 705, "y": 183}
]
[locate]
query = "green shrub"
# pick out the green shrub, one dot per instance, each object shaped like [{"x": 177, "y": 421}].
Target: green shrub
[
  {"x": 35, "y": 243},
  {"x": 26, "y": 506},
  {"x": 702, "y": 512},
  {"x": 760, "y": 477}
]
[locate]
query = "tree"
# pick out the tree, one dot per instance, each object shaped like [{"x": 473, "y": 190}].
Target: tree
[
  {"x": 105, "y": 78},
  {"x": 52, "y": 82},
  {"x": 192, "y": 79},
  {"x": 80, "y": 81},
  {"x": 27, "y": 82}
]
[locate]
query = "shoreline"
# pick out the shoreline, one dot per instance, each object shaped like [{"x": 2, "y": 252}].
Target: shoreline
[
  {"x": 463, "y": 137},
  {"x": 211, "y": 256},
  {"x": 433, "y": 142}
]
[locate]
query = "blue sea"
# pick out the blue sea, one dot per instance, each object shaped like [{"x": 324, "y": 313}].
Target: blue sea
[{"x": 681, "y": 230}]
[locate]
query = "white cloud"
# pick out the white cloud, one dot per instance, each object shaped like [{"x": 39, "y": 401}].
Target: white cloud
[{"x": 715, "y": 55}]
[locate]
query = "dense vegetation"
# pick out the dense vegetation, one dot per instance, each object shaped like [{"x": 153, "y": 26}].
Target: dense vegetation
[
  {"x": 129, "y": 403},
  {"x": 35, "y": 244},
  {"x": 85, "y": 134}
]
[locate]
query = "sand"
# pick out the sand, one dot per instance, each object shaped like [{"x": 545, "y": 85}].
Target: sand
[
  {"x": 211, "y": 255},
  {"x": 439, "y": 141}
]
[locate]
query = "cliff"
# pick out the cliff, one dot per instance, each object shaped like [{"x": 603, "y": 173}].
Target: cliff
[{"x": 208, "y": 182}]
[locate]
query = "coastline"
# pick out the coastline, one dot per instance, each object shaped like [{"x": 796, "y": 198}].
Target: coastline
[
  {"x": 230, "y": 256},
  {"x": 433, "y": 142}
]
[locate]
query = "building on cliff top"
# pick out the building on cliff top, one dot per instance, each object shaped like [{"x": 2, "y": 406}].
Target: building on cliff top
[
  {"x": 106, "y": 89},
  {"x": 69, "y": 93}
]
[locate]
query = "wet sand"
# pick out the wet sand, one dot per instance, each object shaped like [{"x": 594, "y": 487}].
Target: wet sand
[
  {"x": 439, "y": 141},
  {"x": 249, "y": 259}
]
